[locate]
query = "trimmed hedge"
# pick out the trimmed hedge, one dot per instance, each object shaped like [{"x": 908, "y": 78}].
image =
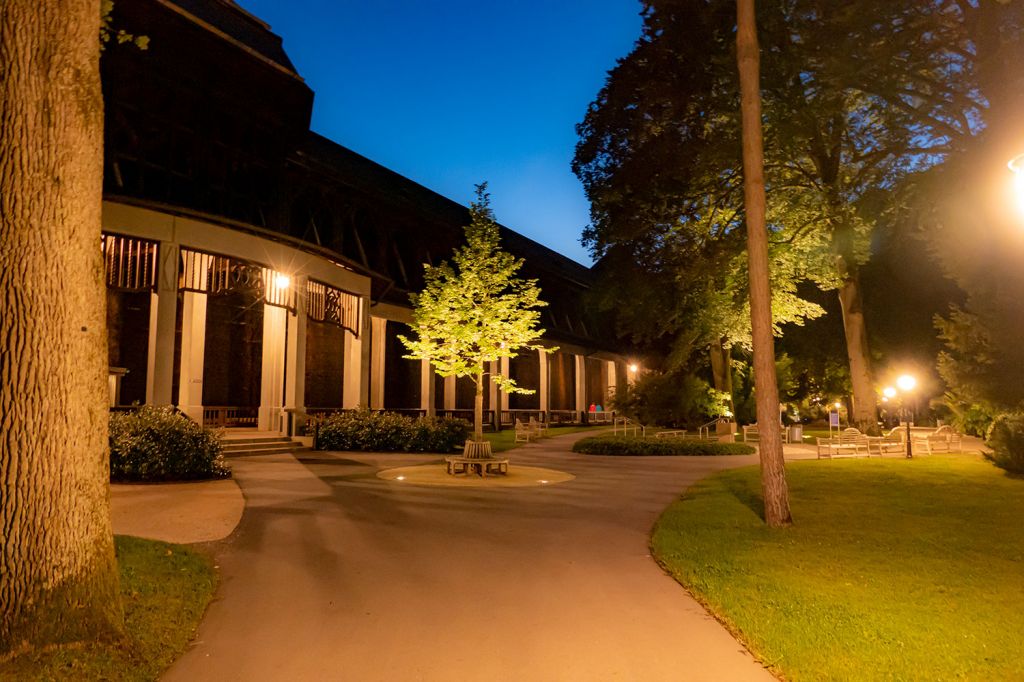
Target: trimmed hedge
[
  {"x": 160, "y": 444},
  {"x": 632, "y": 446},
  {"x": 368, "y": 431}
]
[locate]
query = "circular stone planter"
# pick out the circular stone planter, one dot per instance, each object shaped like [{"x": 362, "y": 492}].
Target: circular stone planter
[{"x": 437, "y": 475}]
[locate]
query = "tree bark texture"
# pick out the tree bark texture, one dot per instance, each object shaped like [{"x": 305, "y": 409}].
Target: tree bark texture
[
  {"x": 478, "y": 407},
  {"x": 773, "y": 470},
  {"x": 864, "y": 414},
  {"x": 58, "y": 577},
  {"x": 721, "y": 370}
]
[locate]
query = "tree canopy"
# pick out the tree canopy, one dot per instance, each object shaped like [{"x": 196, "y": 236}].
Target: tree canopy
[
  {"x": 475, "y": 311},
  {"x": 856, "y": 97}
]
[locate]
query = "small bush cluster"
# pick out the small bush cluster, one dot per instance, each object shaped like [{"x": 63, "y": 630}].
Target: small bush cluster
[
  {"x": 1006, "y": 438},
  {"x": 390, "y": 432},
  {"x": 632, "y": 446},
  {"x": 160, "y": 444},
  {"x": 669, "y": 399}
]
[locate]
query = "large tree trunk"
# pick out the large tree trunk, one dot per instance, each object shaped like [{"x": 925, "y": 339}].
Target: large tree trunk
[
  {"x": 773, "y": 470},
  {"x": 865, "y": 407},
  {"x": 58, "y": 577},
  {"x": 721, "y": 369}
]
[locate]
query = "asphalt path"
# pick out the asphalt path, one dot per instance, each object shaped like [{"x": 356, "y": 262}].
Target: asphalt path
[{"x": 336, "y": 574}]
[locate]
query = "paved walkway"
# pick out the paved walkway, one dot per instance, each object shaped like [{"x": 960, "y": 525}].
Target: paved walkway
[
  {"x": 336, "y": 574},
  {"x": 177, "y": 512}
]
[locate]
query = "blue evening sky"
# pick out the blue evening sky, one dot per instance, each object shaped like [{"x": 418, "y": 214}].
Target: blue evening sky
[{"x": 453, "y": 92}]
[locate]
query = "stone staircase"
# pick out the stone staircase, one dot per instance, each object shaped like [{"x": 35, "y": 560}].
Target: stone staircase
[{"x": 247, "y": 442}]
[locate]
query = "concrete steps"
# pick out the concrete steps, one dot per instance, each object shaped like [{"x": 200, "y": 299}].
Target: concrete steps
[{"x": 244, "y": 445}]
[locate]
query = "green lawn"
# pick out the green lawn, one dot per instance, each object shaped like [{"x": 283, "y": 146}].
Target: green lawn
[
  {"x": 165, "y": 589},
  {"x": 505, "y": 440},
  {"x": 894, "y": 569}
]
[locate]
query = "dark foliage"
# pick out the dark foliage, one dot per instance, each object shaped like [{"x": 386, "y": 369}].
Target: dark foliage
[
  {"x": 160, "y": 444},
  {"x": 1006, "y": 438},
  {"x": 368, "y": 431},
  {"x": 631, "y": 446}
]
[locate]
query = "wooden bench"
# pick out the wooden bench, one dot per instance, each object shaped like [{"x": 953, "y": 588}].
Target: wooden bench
[
  {"x": 476, "y": 456},
  {"x": 752, "y": 433},
  {"x": 843, "y": 447},
  {"x": 526, "y": 432},
  {"x": 679, "y": 433},
  {"x": 942, "y": 439},
  {"x": 888, "y": 442}
]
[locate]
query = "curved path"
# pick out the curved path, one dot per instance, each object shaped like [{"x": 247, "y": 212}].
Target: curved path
[{"x": 335, "y": 574}]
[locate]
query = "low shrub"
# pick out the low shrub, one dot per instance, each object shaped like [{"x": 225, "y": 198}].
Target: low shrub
[
  {"x": 438, "y": 434},
  {"x": 160, "y": 444},
  {"x": 390, "y": 432},
  {"x": 1006, "y": 438},
  {"x": 632, "y": 446}
]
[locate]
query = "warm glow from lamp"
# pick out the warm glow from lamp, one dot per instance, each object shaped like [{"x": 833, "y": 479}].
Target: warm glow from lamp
[
  {"x": 282, "y": 281},
  {"x": 838, "y": 405},
  {"x": 889, "y": 392},
  {"x": 906, "y": 383},
  {"x": 1017, "y": 166},
  {"x": 633, "y": 368}
]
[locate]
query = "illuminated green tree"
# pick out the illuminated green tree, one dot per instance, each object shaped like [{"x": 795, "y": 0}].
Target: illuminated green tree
[{"x": 475, "y": 311}]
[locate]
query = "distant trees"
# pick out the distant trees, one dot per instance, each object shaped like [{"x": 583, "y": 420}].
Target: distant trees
[
  {"x": 475, "y": 311},
  {"x": 856, "y": 97}
]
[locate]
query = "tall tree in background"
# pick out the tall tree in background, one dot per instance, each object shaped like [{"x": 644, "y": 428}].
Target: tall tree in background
[
  {"x": 856, "y": 96},
  {"x": 660, "y": 156},
  {"x": 58, "y": 578},
  {"x": 773, "y": 469},
  {"x": 471, "y": 315}
]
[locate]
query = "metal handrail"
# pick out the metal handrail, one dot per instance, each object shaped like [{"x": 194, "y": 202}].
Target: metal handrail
[{"x": 705, "y": 430}]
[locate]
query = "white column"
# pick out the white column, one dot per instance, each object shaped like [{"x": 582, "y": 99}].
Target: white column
[
  {"x": 275, "y": 321},
  {"x": 378, "y": 338},
  {"x": 427, "y": 388},
  {"x": 163, "y": 310},
  {"x": 449, "y": 393},
  {"x": 352, "y": 381},
  {"x": 610, "y": 368},
  {"x": 295, "y": 367},
  {"x": 543, "y": 390},
  {"x": 193, "y": 348},
  {"x": 581, "y": 383}
]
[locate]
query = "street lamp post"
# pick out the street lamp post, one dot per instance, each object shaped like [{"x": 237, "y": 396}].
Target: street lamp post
[{"x": 906, "y": 384}]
